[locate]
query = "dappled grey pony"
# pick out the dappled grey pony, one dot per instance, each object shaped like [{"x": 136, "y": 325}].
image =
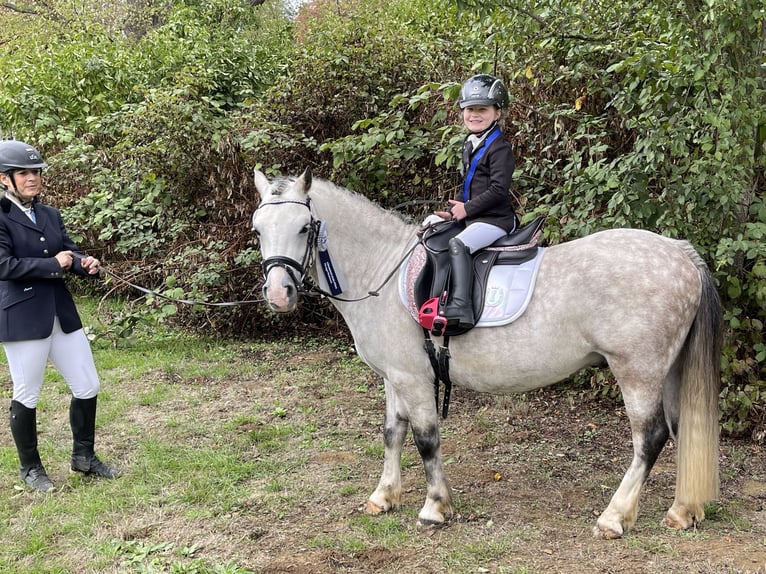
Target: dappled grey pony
[{"x": 643, "y": 304}]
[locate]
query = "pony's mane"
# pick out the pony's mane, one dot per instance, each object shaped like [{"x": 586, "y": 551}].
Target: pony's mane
[{"x": 362, "y": 207}]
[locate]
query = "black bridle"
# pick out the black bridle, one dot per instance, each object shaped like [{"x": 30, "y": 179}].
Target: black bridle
[{"x": 298, "y": 271}]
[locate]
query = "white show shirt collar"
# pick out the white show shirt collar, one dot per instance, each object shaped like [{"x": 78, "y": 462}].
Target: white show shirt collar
[{"x": 28, "y": 211}]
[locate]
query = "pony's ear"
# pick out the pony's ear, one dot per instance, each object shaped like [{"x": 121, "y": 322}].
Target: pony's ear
[
  {"x": 261, "y": 182},
  {"x": 305, "y": 179}
]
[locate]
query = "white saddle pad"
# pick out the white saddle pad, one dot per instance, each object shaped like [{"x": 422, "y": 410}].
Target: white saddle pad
[{"x": 508, "y": 292}]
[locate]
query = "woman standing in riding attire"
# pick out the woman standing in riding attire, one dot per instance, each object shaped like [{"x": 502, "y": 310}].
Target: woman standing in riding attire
[
  {"x": 38, "y": 317},
  {"x": 486, "y": 209}
]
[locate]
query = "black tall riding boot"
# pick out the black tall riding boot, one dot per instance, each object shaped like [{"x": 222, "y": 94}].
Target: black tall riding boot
[
  {"x": 24, "y": 431},
  {"x": 82, "y": 418},
  {"x": 459, "y": 308}
]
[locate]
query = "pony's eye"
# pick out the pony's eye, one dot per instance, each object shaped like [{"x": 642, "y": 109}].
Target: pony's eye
[{"x": 305, "y": 229}]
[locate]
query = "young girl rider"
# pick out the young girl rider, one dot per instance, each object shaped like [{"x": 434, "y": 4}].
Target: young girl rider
[{"x": 485, "y": 208}]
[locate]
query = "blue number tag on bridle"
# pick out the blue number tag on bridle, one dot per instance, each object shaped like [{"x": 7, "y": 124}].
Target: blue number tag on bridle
[{"x": 325, "y": 262}]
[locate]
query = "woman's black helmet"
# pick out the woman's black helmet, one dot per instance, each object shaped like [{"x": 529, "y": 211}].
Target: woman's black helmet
[
  {"x": 19, "y": 155},
  {"x": 483, "y": 90}
]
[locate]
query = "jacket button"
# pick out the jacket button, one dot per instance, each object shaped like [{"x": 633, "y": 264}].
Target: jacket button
[
  {"x": 42, "y": 239},
  {"x": 45, "y": 252}
]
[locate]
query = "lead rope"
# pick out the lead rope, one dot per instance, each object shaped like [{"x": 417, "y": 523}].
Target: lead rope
[{"x": 167, "y": 298}]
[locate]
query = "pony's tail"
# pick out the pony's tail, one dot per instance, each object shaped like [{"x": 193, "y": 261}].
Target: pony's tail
[{"x": 697, "y": 439}]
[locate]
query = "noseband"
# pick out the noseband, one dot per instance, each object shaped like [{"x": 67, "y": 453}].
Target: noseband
[{"x": 297, "y": 271}]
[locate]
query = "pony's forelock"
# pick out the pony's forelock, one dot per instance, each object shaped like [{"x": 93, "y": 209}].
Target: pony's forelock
[{"x": 280, "y": 185}]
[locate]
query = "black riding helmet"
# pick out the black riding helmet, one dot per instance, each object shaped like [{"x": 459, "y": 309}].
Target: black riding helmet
[
  {"x": 19, "y": 155},
  {"x": 483, "y": 90}
]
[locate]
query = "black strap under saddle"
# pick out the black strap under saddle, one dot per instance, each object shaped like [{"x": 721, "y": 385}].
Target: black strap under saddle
[{"x": 432, "y": 285}]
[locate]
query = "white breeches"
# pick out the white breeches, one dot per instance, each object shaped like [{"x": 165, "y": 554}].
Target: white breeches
[
  {"x": 69, "y": 352},
  {"x": 478, "y": 235}
]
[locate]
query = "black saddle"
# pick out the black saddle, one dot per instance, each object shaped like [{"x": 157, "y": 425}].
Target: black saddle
[{"x": 433, "y": 282}]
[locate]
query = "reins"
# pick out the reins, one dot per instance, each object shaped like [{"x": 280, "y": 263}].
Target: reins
[
  {"x": 314, "y": 289},
  {"x": 376, "y": 292},
  {"x": 418, "y": 202}
]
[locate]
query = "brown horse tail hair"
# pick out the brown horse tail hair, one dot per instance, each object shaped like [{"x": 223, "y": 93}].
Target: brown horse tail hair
[{"x": 698, "y": 430}]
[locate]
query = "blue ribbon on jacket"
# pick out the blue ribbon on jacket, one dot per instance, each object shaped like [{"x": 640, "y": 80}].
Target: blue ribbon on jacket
[{"x": 475, "y": 161}]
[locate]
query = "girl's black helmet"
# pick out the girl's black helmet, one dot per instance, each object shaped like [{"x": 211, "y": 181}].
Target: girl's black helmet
[
  {"x": 19, "y": 155},
  {"x": 483, "y": 90}
]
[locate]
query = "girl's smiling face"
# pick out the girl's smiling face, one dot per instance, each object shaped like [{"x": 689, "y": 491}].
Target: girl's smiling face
[{"x": 478, "y": 118}]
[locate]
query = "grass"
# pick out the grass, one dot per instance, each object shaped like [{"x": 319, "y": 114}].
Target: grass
[{"x": 173, "y": 460}]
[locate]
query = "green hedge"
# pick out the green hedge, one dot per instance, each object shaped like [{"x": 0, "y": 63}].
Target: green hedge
[{"x": 644, "y": 115}]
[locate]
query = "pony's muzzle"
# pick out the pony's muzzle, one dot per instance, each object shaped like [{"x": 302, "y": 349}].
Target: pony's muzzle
[{"x": 280, "y": 291}]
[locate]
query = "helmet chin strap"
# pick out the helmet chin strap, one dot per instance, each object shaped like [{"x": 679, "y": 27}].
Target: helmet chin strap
[{"x": 15, "y": 192}]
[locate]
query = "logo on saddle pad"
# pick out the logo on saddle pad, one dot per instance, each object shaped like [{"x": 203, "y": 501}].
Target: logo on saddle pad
[{"x": 504, "y": 277}]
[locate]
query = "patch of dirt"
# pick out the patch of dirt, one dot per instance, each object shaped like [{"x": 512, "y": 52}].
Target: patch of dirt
[
  {"x": 530, "y": 475},
  {"x": 370, "y": 560}
]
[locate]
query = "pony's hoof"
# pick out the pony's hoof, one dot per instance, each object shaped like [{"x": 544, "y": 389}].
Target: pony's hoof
[
  {"x": 604, "y": 533},
  {"x": 670, "y": 522},
  {"x": 426, "y": 524},
  {"x": 679, "y": 517},
  {"x": 677, "y": 523},
  {"x": 373, "y": 509}
]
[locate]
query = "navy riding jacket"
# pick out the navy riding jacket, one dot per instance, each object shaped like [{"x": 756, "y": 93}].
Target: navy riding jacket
[
  {"x": 489, "y": 197},
  {"x": 32, "y": 288}
]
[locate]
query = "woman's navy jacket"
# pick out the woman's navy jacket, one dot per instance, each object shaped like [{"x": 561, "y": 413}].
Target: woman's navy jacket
[{"x": 32, "y": 288}]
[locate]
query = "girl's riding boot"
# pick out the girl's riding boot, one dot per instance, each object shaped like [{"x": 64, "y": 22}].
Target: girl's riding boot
[
  {"x": 459, "y": 309},
  {"x": 24, "y": 431},
  {"x": 82, "y": 419}
]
